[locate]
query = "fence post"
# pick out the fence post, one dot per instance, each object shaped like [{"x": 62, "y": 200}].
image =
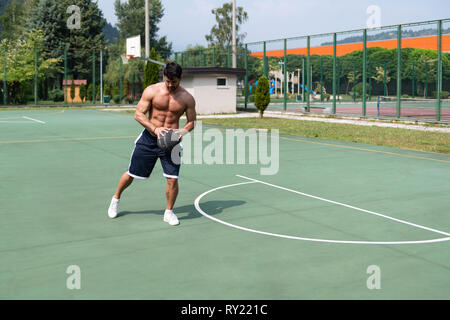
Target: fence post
[
  {"x": 309, "y": 74},
  {"x": 94, "y": 98},
  {"x": 5, "y": 85},
  {"x": 364, "y": 100},
  {"x": 321, "y": 79},
  {"x": 35, "y": 76},
  {"x": 399, "y": 69},
  {"x": 121, "y": 80},
  {"x": 354, "y": 80},
  {"x": 439, "y": 72},
  {"x": 413, "y": 81},
  {"x": 66, "y": 97},
  {"x": 285, "y": 85},
  {"x": 246, "y": 76},
  {"x": 334, "y": 71},
  {"x": 265, "y": 64}
]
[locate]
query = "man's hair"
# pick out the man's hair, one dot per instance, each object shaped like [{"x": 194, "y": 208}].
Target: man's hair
[{"x": 173, "y": 70}]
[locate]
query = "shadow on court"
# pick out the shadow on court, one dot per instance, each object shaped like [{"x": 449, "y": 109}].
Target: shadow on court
[{"x": 210, "y": 207}]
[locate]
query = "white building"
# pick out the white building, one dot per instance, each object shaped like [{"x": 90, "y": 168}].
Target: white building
[{"x": 213, "y": 88}]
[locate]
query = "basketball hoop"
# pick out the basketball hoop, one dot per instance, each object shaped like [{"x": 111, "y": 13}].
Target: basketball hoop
[{"x": 126, "y": 58}]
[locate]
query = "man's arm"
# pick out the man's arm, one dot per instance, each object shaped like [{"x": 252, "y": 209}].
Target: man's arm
[
  {"x": 144, "y": 106},
  {"x": 191, "y": 116}
]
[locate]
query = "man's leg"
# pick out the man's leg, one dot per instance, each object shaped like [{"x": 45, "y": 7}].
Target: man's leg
[
  {"x": 124, "y": 182},
  {"x": 171, "y": 195},
  {"x": 171, "y": 192}
]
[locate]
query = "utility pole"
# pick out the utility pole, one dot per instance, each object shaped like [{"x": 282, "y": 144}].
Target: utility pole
[
  {"x": 147, "y": 30},
  {"x": 234, "y": 63}
]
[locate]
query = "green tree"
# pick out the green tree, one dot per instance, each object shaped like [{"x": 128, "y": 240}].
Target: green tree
[
  {"x": 89, "y": 92},
  {"x": 72, "y": 90},
  {"x": 151, "y": 75},
  {"x": 48, "y": 17},
  {"x": 83, "y": 92},
  {"x": 262, "y": 96},
  {"x": 13, "y": 20},
  {"x": 20, "y": 59},
  {"x": 131, "y": 16},
  {"x": 221, "y": 33},
  {"x": 82, "y": 41},
  {"x": 380, "y": 77}
]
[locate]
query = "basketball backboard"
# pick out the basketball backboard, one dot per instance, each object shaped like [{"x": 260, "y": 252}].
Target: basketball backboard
[{"x": 134, "y": 46}]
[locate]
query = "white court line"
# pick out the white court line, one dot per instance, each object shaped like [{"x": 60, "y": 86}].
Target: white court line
[
  {"x": 197, "y": 207},
  {"x": 14, "y": 121},
  {"x": 348, "y": 206},
  {"x": 38, "y": 121}
]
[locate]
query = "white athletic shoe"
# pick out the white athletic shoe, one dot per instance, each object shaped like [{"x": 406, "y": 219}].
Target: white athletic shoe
[
  {"x": 171, "y": 218},
  {"x": 112, "y": 210}
]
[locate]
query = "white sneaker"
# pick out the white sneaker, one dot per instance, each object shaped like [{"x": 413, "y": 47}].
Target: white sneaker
[
  {"x": 112, "y": 210},
  {"x": 171, "y": 218}
]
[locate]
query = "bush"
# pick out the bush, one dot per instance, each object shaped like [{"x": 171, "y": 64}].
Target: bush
[
  {"x": 444, "y": 94},
  {"x": 89, "y": 92},
  {"x": 83, "y": 92},
  {"x": 262, "y": 96},
  {"x": 56, "y": 95},
  {"x": 116, "y": 99}
]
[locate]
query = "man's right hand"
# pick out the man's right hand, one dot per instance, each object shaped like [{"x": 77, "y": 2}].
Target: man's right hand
[{"x": 160, "y": 130}]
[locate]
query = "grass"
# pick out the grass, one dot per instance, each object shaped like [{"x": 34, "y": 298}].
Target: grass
[{"x": 381, "y": 136}]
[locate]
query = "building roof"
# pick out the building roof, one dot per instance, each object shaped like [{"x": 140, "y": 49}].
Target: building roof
[
  {"x": 213, "y": 70},
  {"x": 77, "y": 82}
]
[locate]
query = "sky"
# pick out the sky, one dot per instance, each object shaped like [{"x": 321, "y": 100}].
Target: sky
[{"x": 186, "y": 22}]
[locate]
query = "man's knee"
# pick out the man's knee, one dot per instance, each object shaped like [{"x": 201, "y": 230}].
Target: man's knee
[{"x": 172, "y": 183}]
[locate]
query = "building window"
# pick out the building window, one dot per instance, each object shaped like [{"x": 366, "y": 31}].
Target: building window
[{"x": 222, "y": 83}]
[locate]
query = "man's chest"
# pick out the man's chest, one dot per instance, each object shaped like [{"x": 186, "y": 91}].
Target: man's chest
[{"x": 168, "y": 104}]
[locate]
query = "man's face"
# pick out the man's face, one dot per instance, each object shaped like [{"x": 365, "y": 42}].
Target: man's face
[{"x": 172, "y": 84}]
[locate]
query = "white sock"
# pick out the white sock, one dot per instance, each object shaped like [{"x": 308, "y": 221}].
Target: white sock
[{"x": 168, "y": 211}]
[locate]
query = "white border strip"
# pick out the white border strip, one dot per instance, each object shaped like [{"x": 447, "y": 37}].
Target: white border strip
[
  {"x": 38, "y": 121},
  {"x": 197, "y": 207}
]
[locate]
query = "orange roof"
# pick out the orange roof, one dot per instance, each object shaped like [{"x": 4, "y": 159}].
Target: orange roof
[{"x": 343, "y": 49}]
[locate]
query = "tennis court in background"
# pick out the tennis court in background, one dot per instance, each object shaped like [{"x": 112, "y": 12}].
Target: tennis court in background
[{"x": 312, "y": 231}]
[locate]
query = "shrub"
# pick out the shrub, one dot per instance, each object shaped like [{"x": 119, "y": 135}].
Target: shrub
[
  {"x": 262, "y": 96},
  {"x": 444, "y": 94},
  {"x": 56, "y": 95},
  {"x": 82, "y": 92}
]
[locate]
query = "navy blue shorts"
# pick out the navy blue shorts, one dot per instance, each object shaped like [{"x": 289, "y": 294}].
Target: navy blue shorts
[{"x": 146, "y": 154}]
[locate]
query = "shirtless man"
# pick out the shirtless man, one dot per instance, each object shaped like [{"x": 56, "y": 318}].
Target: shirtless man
[{"x": 166, "y": 102}]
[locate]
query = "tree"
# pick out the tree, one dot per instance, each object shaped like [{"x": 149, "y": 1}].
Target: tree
[
  {"x": 13, "y": 20},
  {"x": 48, "y": 17},
  {"x": 151, "y": 75},
  {"x": 84, "y": 40},
  {"x": 381, "y": 76},
  {"x": 20, "y": 61},
  {"x": 72, "y": 90},
  {"x": 221, "y": 33},
  {"x": 83, "y": 92},
  {"x": 262, "y": 96},
  {"x": 131, "y": 16}
]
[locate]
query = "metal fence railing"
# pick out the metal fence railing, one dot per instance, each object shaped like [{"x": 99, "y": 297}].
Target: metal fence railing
[{"x": 396, "y": 72}]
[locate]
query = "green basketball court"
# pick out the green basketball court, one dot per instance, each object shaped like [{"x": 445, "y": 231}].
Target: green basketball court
[{"x": 314, "y": 230}]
